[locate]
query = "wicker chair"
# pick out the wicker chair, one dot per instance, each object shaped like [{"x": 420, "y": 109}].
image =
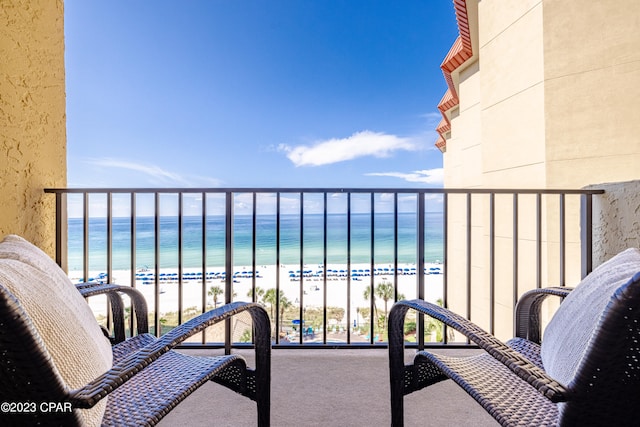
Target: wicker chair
[
  {"x": 146, "y": 379},
  {"x": 586, "y": 370}
]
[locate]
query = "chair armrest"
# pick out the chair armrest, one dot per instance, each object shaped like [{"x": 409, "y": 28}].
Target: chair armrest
[
  {"x": 90, "y": 394},
  {"x": 527, "y": 317},
  {"x": 517, "y": 363},
  {"x": 138, "y": 302}
]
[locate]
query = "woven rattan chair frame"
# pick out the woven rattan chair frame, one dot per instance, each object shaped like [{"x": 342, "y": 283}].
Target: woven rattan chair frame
[
  {"x": 114, "y": 295},
  {"x": 147, "y": 379},
  {"x": 508, "y": 379}
]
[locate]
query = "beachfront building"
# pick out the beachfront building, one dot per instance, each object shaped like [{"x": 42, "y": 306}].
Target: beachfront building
[{"x": 542, "y": 94}]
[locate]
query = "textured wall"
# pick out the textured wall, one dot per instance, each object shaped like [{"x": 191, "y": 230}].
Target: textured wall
[
  {"x": 616, "y": 219},
  {"x": 32, "y": 117}
]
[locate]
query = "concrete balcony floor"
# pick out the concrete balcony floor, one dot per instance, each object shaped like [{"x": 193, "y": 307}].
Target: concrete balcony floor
[{"x": 321, "y": 387}]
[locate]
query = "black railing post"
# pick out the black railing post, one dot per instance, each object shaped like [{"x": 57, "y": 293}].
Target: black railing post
[
  {"x": 228, "y": 260},
  {"x": 420, "y": 268},
  {"x": 445, "y": 263},
  {"x": 61, "y": 231},
  {"x": 562, "y": 238},
  {"x": 492, "y": 262},
  {"x": 156, "y": 269},
  {"x": 586, "y": 224},
  {"x": 515, "y": 249}
]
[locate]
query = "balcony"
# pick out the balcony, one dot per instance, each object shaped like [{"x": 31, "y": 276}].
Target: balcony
[
  {"x": 322, "y": 260},
  {"x": 322, "y": 254}
]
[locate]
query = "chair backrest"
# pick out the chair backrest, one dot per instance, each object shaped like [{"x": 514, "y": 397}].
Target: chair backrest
[
  {"x": 27, "y": 372},
  {"x": 591, "y": 343},
  {"x": 49, "y": 318}
]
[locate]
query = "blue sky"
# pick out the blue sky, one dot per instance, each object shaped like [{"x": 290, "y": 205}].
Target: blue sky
[{"x": 255, "y": 93}]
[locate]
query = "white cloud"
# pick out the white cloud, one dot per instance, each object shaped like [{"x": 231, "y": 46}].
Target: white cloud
[
  {"x": 156, "y": 175},
  {"x": 154, "y": 172},
  {"x": 365, "y": 143},
  {"x": 427, "y": 176}
]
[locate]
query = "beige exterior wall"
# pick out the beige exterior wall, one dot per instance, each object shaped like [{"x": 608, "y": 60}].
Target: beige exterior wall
[
  {"x": 32, "y": 117},
  {"x": 592, "y": 72},
  {"x": 549, "y": 100}
]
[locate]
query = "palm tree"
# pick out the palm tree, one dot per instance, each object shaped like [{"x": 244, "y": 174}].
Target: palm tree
[
  {"x": 285, "y": 304},
  {"x": 259, "y": 294},
  {"x": 437, "y": 326},
  {"x": 214, "y": 291},
  {"x": 270, "y": 298},
  {"x": 384, "y": 291},
  {"x": 367, "y": 296}
]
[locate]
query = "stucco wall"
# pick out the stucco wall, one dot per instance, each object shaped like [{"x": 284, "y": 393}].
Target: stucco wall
[
  {"x": 32, "y": 117},
  {"x": 616, "y": 219}
]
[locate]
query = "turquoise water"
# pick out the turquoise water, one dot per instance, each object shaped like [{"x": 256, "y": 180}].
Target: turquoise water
[{"x": 266, "y": 232}]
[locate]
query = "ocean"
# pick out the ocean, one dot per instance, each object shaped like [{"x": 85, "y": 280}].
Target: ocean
[{"x": 312, "y": 239}]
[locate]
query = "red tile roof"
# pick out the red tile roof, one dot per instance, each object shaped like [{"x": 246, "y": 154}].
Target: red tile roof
[
  {"x": 443, "y": 126},
  {"x": 460, "y": 52}
]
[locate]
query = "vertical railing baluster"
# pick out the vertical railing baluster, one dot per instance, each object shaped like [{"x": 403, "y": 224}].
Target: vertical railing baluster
[
  {"x": 204, "y": 266},
  {"x": 469, "y": 254},
  {"x": 445, "y": 260},
  {"x": 538, "y": 240},
  {"x": 156, "y": 312},
  {"x": 61, "y": 250},
  {"x": 301, "y": 290},
  {"x": 180, "y": 254},
  {"x": 492, "y": 261},
  {"x": 348, "y": 251},
  {"x": 325, "y": 243},
  {"x": 515, "y": 220},
  {"x": 228, "y": 260},
  {"x": 85, "y": 237},
  {"x": 562, "y": 239},
  {"x": 586, "y": 221},
  {"x": 395, "y": 246},
  {"x": 203, "y": 245},
  {"x": 109, "y": 254},
  {"x": 372, "y": 289},
  {"x": 254, "y": 244},
  {"x": 278, "y": 225},
  {"x": 420, "y": 267},
  {"x": 110, "y": 237},
  {"x": 132, "y": 243}
]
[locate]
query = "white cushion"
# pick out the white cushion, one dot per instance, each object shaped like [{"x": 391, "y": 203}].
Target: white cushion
[
  {"x": 569, "y": 332},
  {"x": 62, "y": 317}
]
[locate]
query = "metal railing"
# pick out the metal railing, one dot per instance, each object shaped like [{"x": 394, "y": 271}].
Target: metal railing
[{"x": 310, "y": 255}]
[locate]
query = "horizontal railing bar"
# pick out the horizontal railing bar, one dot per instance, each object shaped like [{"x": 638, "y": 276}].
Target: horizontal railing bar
[
  {"x": 328, "y": 346},
  {"x": 327, "y": 190}
]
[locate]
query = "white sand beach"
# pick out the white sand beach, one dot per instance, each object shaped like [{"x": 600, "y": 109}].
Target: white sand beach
[{"x": 339, "y": 284}]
